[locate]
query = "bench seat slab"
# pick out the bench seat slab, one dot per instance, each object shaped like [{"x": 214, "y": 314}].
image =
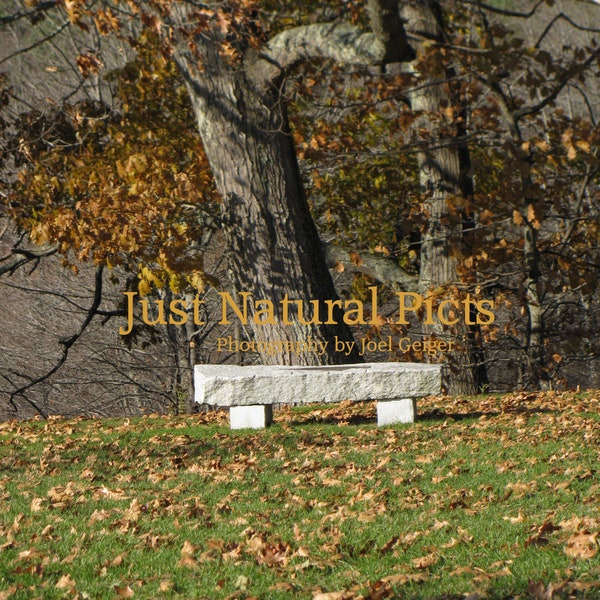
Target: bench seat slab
[{"x": 232, "y": 385}]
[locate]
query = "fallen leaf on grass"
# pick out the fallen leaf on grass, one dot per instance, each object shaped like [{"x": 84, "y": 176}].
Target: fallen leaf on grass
[
  {"x": 118, "y": 560},
  {"x": 273, "y": 555},
  {"x": 282, "y": 586},
  {"x": 104, "y": 493},
  {"x": 332, "y": 595},
  {"x": 65, "y": 582},
  {"x": 242, "y": 583},
  {"x": 423, "y": 562},
  {"x": 538, "y": 591},
  {"x": 460, "y": 571},
  {"x": 484, "y": 576},
  {"x": 521, "y": 490},
  {"x": 403, "y": 578},
  {"x": 540, "y": 537},
  {"x": 124, "y": 591},
  {"x": 187, "y": 555},
  {"x": 584, "y": 586},
  {"x": 389, "y": 544},
  {"x": 98, "y": 515},
  {"x": 518, "y": 519},
  {"x": 581, "y": 546},
  {"x": 36, "y": 505},
  {"x": 576, "y": 524}
]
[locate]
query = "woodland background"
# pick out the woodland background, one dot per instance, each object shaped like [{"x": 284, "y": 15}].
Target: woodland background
[{"x": 463, "y": 158}]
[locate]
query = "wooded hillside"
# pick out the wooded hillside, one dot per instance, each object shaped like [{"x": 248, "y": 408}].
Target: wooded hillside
[{"x": 310, "y": 151}]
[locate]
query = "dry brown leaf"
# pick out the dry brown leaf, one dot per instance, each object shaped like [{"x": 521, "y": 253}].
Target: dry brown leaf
[
  {"x": 520, "y": 490},
  {"x": 36, "y": 505},
  {"x": 540, "y": 537},
  {"x": 98, "y": 515},
  {"x": 517, "y": 217},
  {"x": 460, "y": 571},
  {"x": 403, "y": 578},
  {"x": 389, "y": 544},
  {"x": 65, "y": 582},
  {"x": 187, "y": 555},
  {"x": 424, "y": 562},
  {"x": 124, "y": 591},
  {"x": 344, "y": 595},
  {"x": 117, "y": 560},
  {"x": 133, "y": 512},
  {"x": 437, "y": 525},
  {"x": 572, "y": 524},
  {"x": 188, "y": 549},
  {"x": 581, "y": 546},
  {"x": 356, "y": 259},
  {"x": 518, "y": 519},
  {"x": 282, "y": 586}
]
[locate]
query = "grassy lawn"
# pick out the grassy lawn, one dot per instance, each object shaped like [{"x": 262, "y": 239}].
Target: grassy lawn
[{"x": 489, "y": 497}]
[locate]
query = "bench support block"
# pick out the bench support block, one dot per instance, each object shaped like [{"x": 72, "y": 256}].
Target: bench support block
[
  {"x": 255, "y": 416},
  {"x": 396, "y": 411}
]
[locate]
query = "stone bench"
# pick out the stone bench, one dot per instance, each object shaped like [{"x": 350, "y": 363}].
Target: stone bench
[{"x": 250, "y": 391}]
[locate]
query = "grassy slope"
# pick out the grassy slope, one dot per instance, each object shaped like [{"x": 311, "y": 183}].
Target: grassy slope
[{"x": 498, "y": 496}]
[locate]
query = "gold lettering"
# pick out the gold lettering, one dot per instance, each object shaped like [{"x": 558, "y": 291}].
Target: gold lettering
[
  {"x": 196, "y": 302},
  {"x": 374, "y": 312},
  {"x": 488, "y": 313},
  {"x": 331, "y": 304},
  {"x": 264, "y": 315},
  {"x": 130, "y": 297},
  {"x": 359, "y": 319},
  {"x": 441, "y": 307},
  {"x": 179, "y": 312},
  {"x": 285, "y": 305},
  {"x": 414, "y": 307},
  {"x": 160, "y": 319},
  {"x": 226, "y": 299},
  {"x": 315, "y": 316}
]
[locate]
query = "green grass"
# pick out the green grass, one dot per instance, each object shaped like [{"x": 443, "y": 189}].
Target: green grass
[{"x": 494, "y": 495}]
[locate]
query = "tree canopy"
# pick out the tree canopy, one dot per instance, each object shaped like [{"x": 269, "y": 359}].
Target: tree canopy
[{"x": 445, "y": 148}]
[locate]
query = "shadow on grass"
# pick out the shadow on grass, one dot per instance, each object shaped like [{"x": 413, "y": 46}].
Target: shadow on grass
[
  {"x": 331, "y": 420},
  {"x": 439, "y": 415},
  {"x": 427, "y": 416}
]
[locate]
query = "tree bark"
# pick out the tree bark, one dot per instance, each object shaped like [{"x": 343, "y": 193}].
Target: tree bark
[
  {"x": 443, "y": 173},
  {"x": 273, "y": 244}
]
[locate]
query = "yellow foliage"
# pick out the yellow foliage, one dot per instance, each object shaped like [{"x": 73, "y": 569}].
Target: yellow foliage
[{"x": 127, "y": 196}]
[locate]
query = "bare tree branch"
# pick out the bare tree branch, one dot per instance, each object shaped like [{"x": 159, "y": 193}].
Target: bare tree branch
[
  {"x": 563, "y": 81},
  {"x": 341, "y": 42},
  {"x": 344, "y": 43},
  {"x": 67, "y": 343},
  {"x": 562, "y": 16},
  {"x": 38, "y": 43},
  {"x": 21, "y": 256},
  {"x": 23, "y": 14},
  {"x": 381, "y": 268},
  {"x": 504, "y": 11}
]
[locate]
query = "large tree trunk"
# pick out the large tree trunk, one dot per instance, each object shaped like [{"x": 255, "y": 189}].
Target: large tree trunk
[
  {"x": 273, "y": 245},
  {"x": 532, "y": 370},
  {"x": 443, "y": 173}
]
